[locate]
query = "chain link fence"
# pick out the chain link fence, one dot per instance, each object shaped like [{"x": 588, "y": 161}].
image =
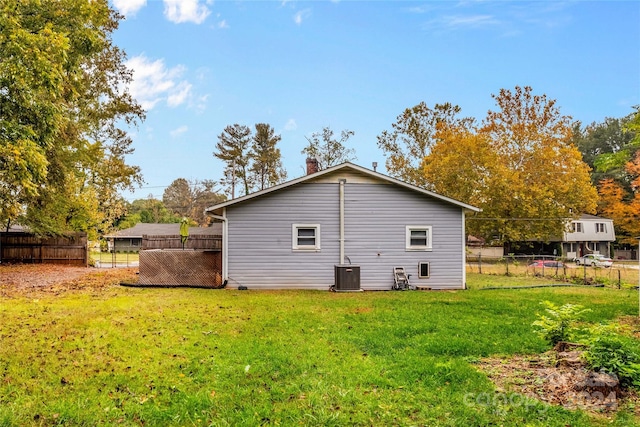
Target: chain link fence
[
  {"x": 620, "y": 274},
  {"x": 106, "y": 259}
]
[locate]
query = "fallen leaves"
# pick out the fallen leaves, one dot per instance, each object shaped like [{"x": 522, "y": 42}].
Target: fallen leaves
[
  {"x": 31, "y": 280},
  {"x": 543, "y": 378}
]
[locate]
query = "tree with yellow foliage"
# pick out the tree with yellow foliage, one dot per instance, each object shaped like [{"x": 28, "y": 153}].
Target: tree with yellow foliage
[{"x": 519, "y": 166}]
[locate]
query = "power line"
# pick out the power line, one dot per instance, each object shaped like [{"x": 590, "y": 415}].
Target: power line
[{"x": 516, "y": 219}]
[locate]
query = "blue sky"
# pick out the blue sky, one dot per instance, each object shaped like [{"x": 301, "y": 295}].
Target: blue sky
[{"x": 303, "y": 65}]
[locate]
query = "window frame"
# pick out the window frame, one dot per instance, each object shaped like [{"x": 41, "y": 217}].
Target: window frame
[
  {"x": 429, "y": 238},
  {"x": 295, "y": 237},
  {"x": 420, "y": 276},
  {"x": 577, "y": 227},
  {"x": 601, "y": 227}
]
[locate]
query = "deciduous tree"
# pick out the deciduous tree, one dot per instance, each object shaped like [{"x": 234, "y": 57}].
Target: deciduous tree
[
  {"x": 412, "y": 137},
  {"x": 327, "y": 150},
  {"x": 63, "y": 98},
  {"x": 190, "y": 198},
  {"x": 519, "y": 166},
  {"x": 547, "y": 181},
  {"x": 149, "y": 211},
  {"x": 606, "y": 147},
  {"x": 617, "y": 204}
]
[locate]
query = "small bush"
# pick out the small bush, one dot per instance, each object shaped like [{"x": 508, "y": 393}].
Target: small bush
[
  {"x": 613, "y": 353},
  {"x": 559, "y": 325}
]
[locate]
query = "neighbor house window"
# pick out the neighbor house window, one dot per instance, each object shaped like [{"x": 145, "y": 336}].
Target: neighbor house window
[
  {"x": 418, "y": 238},
  {"x": 306, "y": 236},
  {"x": 576, "y": 227},
  {"x": 423, "y": 270},
  {"x": 601, "y": 227}
]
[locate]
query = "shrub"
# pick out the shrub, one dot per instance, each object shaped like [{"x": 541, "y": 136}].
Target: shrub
[
  {"x": 559, "y": 325},
  {"x": 613, "y": 353}
]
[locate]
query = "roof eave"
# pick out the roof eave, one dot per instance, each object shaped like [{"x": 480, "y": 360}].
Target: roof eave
[{"x": 217, "y": 209}]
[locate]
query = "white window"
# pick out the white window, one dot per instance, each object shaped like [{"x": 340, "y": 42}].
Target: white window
[
  {"x": 576, "y": 227},
  {"x": 601, "y": 227},
  {"x": 305, "y": 237},
  {"x": 423, "y": 270},
  {"x": 418, "y": 238}
]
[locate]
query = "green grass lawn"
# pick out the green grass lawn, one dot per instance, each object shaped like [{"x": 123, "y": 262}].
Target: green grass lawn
[
  {"x": 119, "y": 257},
  {"x": 124, "y": 356}
]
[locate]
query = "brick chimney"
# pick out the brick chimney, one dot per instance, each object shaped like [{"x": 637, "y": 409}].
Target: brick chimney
[{"x": 312, "y": 165}]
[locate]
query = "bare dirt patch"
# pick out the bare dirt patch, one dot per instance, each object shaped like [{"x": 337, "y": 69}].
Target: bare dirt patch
[
  {"x": 571, "y": 385},
  {"x": 27, "y": 279}
]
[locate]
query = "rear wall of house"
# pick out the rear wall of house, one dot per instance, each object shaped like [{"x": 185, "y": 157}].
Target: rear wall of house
[{"x": 376, "y": 215}]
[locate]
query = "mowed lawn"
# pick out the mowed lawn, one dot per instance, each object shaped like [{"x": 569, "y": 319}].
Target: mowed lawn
[{"x": 155, "y": 357}]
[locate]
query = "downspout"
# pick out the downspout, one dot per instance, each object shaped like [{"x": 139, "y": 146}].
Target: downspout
[
  {"x": 464, "y": 250},
  {"x": 342, "y": 182},
  {"x": 225, "y": 242}
]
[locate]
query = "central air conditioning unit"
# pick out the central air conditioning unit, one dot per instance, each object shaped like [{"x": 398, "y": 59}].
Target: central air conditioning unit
[{"x": 347, "y": 278}]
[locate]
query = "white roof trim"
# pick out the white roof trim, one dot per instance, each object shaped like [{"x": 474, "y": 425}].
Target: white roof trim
[
  {"x": 332, "y": 169},
  {"x": 589, "y": 217}
]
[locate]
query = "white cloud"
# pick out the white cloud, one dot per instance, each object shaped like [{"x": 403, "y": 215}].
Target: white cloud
[
  {"x": 180, "y": 94},
  {"x": 223, "y": 24},
  {"x": 179, "y": 11},
  {"x": 179, "y": 131},
  {"x": 301, "y": 16},
  {"x": 291, "y": 125},
  {"x": 470, "y": 20},
  {"x": 461, "y": 22},
  {"x": 201, "y": 103},
  {"x": 418, "y": 9},
  {"x": 129, "y": 7},
  {"x": 154, "y": 82}
]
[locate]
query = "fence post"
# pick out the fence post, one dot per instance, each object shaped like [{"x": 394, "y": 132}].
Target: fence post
[
  {"x": 619, "y": 279},
  {"x": 480, "y": 262},
  {"x": 507, "y": 263}
]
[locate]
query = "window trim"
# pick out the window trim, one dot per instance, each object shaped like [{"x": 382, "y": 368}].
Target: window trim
[
  {"x": 425, "y": 248},
  {"x": 577, "y": 227},
  {"x": 420, "y": 276},
  {"x": 601, "y": 227},
  {"x": 294, "y": 237}
]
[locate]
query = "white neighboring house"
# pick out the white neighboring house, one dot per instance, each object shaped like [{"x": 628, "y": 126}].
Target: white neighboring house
[{"x": 588, "y": 234}]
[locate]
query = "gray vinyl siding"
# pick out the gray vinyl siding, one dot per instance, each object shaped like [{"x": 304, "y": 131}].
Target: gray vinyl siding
[
  {"x": 260, "y": 251},
  {"x": 259, "y": 243},
  {"x": 376, "y": 217}
]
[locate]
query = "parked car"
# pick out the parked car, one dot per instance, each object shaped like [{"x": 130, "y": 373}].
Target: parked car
[
  {"x": 546, "y": 263},
  {"x": 594, "y": 260}
]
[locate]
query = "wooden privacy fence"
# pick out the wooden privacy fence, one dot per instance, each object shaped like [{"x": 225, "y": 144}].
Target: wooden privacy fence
[
  {"x": 29, "y": 248},
  {"x": 196, "y": 242}
]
